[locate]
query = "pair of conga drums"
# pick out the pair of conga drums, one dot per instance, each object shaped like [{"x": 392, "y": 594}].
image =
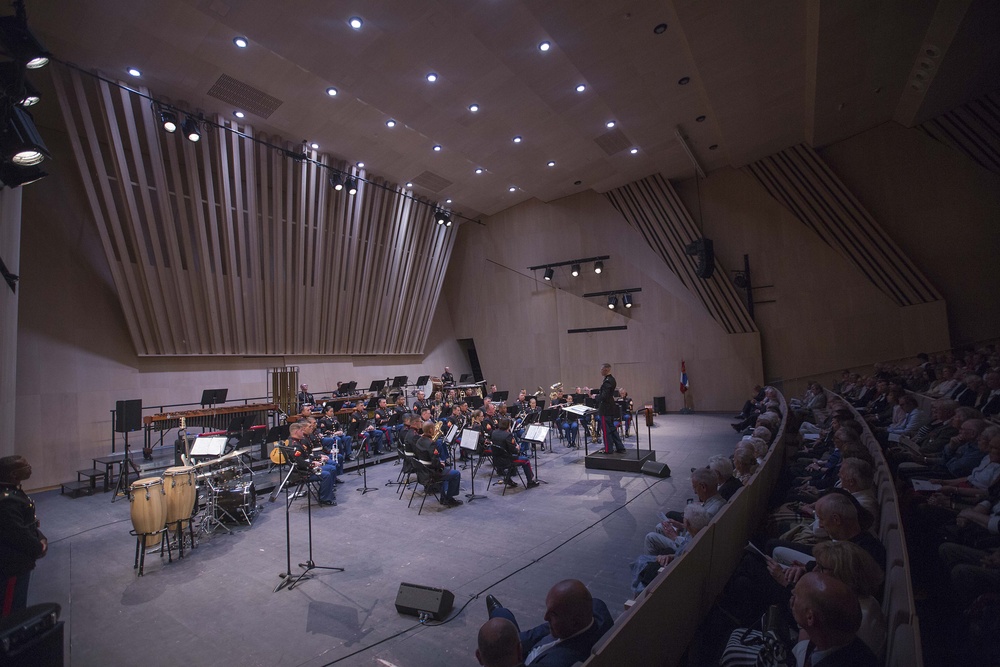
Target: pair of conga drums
[{"x": 157, "y": 502}]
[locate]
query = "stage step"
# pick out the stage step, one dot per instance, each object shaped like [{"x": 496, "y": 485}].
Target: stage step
[
  {"x": 91, "y": 475},
  {"x": 76, "y": 489}
]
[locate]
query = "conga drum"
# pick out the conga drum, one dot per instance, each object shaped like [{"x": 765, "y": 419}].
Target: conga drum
[
  {"x": 180, "y": 492},
  {"x": 149, "y": 508}
]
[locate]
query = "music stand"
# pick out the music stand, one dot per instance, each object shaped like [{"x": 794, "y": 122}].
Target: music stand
[
  {"x": 363, "y": 467},
  {"x": 422, "y": 380},
  {"x": 465, "y": 377},
  {"x": 500, "y": 396},
  {"x": 474, "y": 401},
  {"x": 377, "y": 386},
  {"x": 536, "y": 434},
  {"x": 399, "y": 381},
  {"x": 372, "y": 403},
  {"x": 470, "y": 443},
  {"x": 549, "y": 416},
  {"x": 347, "y": 388},
  {"x": 239, "y": 427},
  {"x": 213, "y": 396}
]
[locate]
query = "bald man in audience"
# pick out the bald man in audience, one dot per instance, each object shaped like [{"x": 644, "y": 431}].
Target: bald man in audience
[
  {"x": 574, "y": 622},
  {"x": 499, "y": 644},
  {"x": 829, "y": 615}
]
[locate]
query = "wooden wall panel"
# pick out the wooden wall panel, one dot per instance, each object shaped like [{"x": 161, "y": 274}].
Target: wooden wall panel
[
  {"x": 972, "y": 129},
  {"x": 229, "y": 247}
]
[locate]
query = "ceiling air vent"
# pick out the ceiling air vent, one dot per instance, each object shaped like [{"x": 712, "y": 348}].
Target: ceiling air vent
[
  {"x": 244, "y": 96},
  {"x": 431, "y": 181},
  {"x": 613, "y": 141}
]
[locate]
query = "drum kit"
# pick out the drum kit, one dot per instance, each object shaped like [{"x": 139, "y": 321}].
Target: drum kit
[{"x": 164, "y": 508}]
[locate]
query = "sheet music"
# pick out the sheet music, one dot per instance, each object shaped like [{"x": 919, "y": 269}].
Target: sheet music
[
  {"x": 212, "y": 445},
  {"x": 537, "y": 433},
  {"x": 579, "y": 409},
  {"x": 924, "y": 485},
  {"x": 470, "y": 439},
  {"x": 452, "y": 434}
]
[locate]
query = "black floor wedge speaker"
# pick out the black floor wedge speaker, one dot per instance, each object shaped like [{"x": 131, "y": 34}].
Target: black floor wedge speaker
[
  {"x": 656, "y": 469},
  {"x": 413, "y": 599}
]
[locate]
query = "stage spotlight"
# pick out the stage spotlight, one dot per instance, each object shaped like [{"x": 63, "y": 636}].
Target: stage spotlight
[
  {"x": 191, "y": 130},
  {"x": 20, "y": 142},
  {"x": 168, "y": 119},
  {"x": 337, "y": 182},
  {"x": 548, "y": 273},
  {"x": 13, "y": 176},
  {"x": 352, "y": 185},
  {"x": 598, "y": 266},
  {"x": 439, "y": 216},
  {"x": 575, "y": 270},
  {"x": 15, "y": 85},
  {"x": 612, "y": 302},
  {"x": 627, "y": 300},
  {"x": 18, "y": 41},
  {"x": 447, "y": 223}
]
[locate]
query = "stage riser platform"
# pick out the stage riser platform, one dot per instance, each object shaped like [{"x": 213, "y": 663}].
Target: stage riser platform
[{"x": 626, "y": 462}]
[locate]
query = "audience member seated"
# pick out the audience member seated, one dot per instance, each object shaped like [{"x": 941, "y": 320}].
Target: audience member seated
[
  {"x": 705, "y": 486},
  {"x": 722, "y": 466},
  {"x": 946, "y": 384},
  {"x": 829, "y": 615},
  {"x": 929, "y": 439},
  {"x": 991, "y": 405},
  {"x": 842, "y": 518},
  {"x": 744, "y": 463},
  {"x": 670, "y": 537},
  {"x": 499, "y": 644},
  {"x": 574, "y": 622},
  {"x": 855, "y": 567},
  {"x": 958, "y": 458}
]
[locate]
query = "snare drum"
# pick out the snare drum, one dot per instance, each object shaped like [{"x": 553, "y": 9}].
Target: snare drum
[
  {"x": 149, "y": 508},
  {"x": 181, "y": 494},
  {"x": 239, "y": 500}
]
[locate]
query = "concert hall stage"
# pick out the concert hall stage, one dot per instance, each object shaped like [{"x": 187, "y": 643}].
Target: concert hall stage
[{"x": 216, "y": 606}]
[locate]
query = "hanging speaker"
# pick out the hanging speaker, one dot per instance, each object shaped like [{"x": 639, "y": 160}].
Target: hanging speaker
[
  {"x": 704, "y": 249},
  {"x": 413, "y": 599}
]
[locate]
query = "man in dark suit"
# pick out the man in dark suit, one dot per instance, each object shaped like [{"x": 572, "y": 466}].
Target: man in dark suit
[
  {"x": 829, "y": 613},
  {"x": 607, "y": 411},
  {"x": 574, "y": 622},
  {"x": 499, "y": 645}
]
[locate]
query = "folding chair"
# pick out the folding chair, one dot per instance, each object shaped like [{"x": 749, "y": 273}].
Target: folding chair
[
  {"x": 503, "y": 465},
  {"x": 426, "y": 479}
]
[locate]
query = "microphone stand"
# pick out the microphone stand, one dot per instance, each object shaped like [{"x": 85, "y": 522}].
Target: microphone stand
[{"x": 286, "y": 576}]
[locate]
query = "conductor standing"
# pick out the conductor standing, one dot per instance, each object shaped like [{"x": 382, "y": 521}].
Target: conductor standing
[{"x": 607, "y": 411}]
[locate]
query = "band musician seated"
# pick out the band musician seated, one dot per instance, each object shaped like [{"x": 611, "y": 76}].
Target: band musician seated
[
  {"x": 427, "y": 453},
  {"x": 507, "y": 455}
]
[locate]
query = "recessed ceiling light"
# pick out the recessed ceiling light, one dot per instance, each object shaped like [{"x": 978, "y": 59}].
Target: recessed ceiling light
[
  {"x": 361, "y": 165},
  {"x": 437, "y": 148},
  {"x": 512, "y": 189},
  {"x": 699, "y": 119},
  {"x": 660, "y": 29},
  {"x": 390, "y": 123},
  {"x": 133, "y": 71},
  {"x": 517, "y": 139},
  {"x": 633, "y": 150},
  {"x": 447, "y": 201},
  {"x": 409, "y": 185},
  {"x": 331, "y": 91},
  {"x": 581, "y": 88},
  {"x": 241, "y": 42},
  {"x": 239, "y": 114},
  {"x": 314, "y": 145},
  {"x": 610, "y": 124},
  {"x": 473, "y": 108},
  {"x": 684, "y": 80},
  {"x": 432, "y": 76},
  {"x": 355, "y": 22},
  {"x": 479, "y": 170},
  {"x": 544, "y": 46},
  {"x": 551, "y": 163}
]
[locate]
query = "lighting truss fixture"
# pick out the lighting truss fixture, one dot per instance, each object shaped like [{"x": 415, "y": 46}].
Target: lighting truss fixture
[
  {"x": 15, "y": 85},
  {"x": 598, "y": 266},
  {"x": 612, "y": 302},
  {"x": 442, "y": 217},
  {"x": 191, "y": 130},
  {"x": 627, "y": 300},
  {"x": 574, "y": 265},
  {"x": 13, "y": 176},
  {"x": 352, "y": 185},
  {"x": 613, "y": 295},
  {"x": 575, "y": 270},
  {"x": 337, "y": 182},
  {"x": 20, "y": 142},
  {"x": 168, "y": 119},
  {"x": 548, "y": 273},
  {"x": 19, "y": 43}
]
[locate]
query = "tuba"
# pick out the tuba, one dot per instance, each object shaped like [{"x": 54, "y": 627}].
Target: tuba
[{"x": 555, "y": 390}]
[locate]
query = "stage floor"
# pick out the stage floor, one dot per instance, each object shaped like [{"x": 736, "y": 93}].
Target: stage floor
[{"x": 216, "y": 606}]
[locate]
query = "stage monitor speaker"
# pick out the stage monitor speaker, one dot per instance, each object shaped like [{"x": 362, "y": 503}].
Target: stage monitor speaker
[
  {"x": 32, "y": 637},
  {"x": 656, "y": 469},
  {"x": 413, "y": 599},
  {"x": 660, "y": 405},
  {"x": 128, "y": 415}
]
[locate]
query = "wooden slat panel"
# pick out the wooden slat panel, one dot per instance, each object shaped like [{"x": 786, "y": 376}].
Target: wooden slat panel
[
  {"x": 227, "y": 247},
  {"x": 652, "y": 206},
  {"x": 800, "y": 180}
]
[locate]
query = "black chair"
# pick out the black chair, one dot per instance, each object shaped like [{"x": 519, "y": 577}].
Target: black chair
[
  {"x": 503, "y": 467},
  {"x": 426, "y": 478}
]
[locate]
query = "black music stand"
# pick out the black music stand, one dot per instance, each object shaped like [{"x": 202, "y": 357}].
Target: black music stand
[
  {"x": 471, "y": 445},
  {"x": 377, "y": 386},
  {"x": 363, "y": 469},
  {"x": 347, "y": 388},
  {"x": 534, "y": 449},
  {"x": 399, "y": 381},
  {"x": 464, "y": 377},
  {"x": 372, "y": 403},
  {"x": 213, "y": 396},
  {"x": 287, "y": 579},
  {"x": 500, "y": 396},
  {"x": 550, "y": 416},
  {"x": 422, "y": 380},
  {"x": 474, "y": 402},
  {"x": 239, "y": 427}
]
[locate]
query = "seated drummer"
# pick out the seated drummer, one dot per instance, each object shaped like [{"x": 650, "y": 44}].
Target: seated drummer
[
  {"x": 313, "y": 471},
  {"x": 503, "y": 439},
  {"x": 450, "y": 478},
  {"x": 332, "y": 433}
]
